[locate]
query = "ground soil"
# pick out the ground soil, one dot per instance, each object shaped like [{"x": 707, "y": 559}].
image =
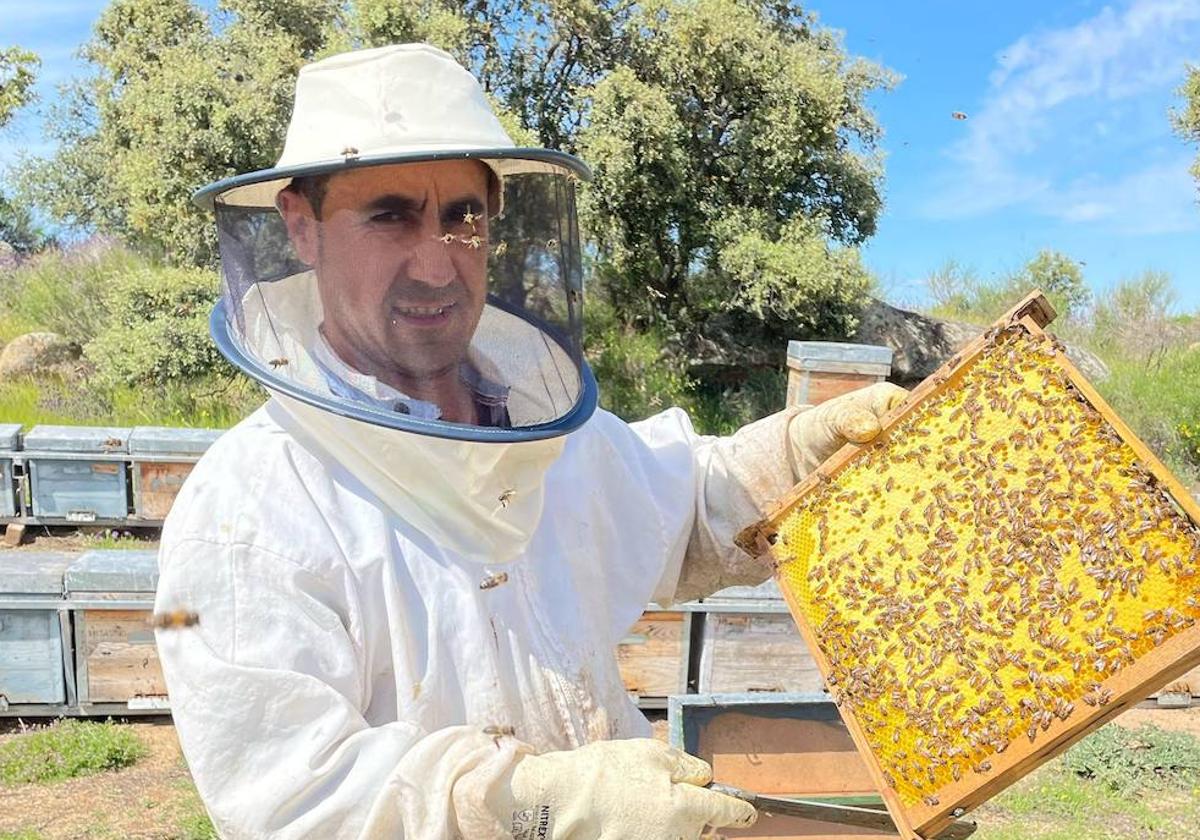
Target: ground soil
[
  {"x": 150, "y": 800},
  {"x": 147, "y": 801}
]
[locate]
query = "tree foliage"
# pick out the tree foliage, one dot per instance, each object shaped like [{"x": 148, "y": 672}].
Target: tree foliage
[
  {"x": 18, "y": 70},
  {"x": 959, "y": 293},
  {"x": 732, "y": 144},
  {"x": 1187, "y": 118}
]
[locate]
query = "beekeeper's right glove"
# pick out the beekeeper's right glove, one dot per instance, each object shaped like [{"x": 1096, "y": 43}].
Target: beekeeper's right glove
[{"x": 637, "y": 789}]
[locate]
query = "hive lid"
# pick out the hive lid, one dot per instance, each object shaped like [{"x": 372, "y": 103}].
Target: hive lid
[
  {"x": 165, "y": 440},
  {"x": 10, "y": 436},
  {"x": 767, "y": 590},
  {"x": 34, "y": 572},
  {"x": 78, "y": 439},
  {"x": 832, "y": 355},
  {"x": 113, "y": 570}
]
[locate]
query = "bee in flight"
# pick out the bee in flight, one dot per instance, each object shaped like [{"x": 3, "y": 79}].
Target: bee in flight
[{"x": 174, "y": 620}]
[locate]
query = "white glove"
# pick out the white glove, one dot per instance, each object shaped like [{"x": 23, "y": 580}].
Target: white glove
[
  {"x": 637, "y": 789},
  {"x": 819, "y": 432}
]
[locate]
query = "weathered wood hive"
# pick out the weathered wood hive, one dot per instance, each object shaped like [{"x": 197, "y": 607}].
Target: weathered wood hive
[{"x": 1003, "y": 570}]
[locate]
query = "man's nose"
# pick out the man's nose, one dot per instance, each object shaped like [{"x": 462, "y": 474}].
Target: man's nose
[{"x": 430, "y": 262}]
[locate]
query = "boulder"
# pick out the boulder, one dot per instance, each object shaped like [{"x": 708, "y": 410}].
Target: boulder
[
  {"x": 39, "y": 354},
  {"x": 922, "y": 343}
]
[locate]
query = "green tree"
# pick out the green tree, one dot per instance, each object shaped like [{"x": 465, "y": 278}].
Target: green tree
[
  {"x": 19, "y": 230},
  {"x": 1187, "y": 119},
  {"x": 18, "y": 70},
  {"x": 735, "y": 155},
  {"x": 1061, "y": 278}
]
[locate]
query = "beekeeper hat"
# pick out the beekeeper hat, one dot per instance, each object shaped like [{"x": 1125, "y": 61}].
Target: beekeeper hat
[{"x": 394, "y": 104}]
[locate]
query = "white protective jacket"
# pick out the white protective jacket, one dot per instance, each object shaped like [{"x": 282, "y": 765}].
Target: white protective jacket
[{"x": 349, "y": 677}]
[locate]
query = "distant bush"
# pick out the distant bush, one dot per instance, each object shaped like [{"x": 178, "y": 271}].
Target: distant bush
[
  {"x": 960, "y": 294},
  {"x": 1129, "y": 761},
  {"x": 64, "y": 291},
  {"x": 157, "y": 327},
  {"x": 637, "y": 374},
  {"x": 66, "y": 749}
]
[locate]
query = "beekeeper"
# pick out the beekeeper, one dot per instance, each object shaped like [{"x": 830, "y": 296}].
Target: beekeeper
[{"x": 412, "y": 566}]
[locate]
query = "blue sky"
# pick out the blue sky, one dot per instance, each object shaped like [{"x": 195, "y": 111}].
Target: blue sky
[{"x": 1067, "y": 143}]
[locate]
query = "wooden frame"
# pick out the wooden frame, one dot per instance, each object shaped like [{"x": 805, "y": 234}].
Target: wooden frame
[{"x": 1128, "y": 686}]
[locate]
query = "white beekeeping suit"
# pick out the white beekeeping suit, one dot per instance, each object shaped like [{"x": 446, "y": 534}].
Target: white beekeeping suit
[{"x": 413, "y": 565}]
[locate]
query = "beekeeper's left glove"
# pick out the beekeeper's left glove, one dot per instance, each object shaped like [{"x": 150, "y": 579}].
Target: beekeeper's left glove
[
  {"x": 819, "y": 432},
  {"x": 637, "y": 789}
]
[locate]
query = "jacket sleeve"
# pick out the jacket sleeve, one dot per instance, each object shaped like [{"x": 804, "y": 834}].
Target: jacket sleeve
[
  {"x": 267, "y": 692},
  {"x": 735, "y": 482}
]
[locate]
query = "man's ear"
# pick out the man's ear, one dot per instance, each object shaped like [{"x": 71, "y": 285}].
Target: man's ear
[{"x": 301, "y": 223}]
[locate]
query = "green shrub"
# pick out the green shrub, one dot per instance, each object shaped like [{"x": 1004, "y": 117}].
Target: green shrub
[
  {"x": 157, "y": 331},
  {"x": 1161, "y": 401},
  {"x": 1129, "y": 761},
  {"x": 64, "y": 291},
  {"x": 66, "y": 749},
  {"x": 637, "y": 373}
]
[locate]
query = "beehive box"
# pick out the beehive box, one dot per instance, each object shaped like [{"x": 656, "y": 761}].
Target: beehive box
[
  {"x": 77, "y": 473},
  {"x": 111, "y": 595},
  {"x": 162, "y": 458},
  {"x": 653, "y": 656},
  {"x": 784, "y": 745},
  {"x": 34, "y": 632},
  {"x": 821, "y": 370},
  {"x": 749, "y": 643},
  {"x": 1003, "y": 570},
  {"x": 10, "y": 443}
]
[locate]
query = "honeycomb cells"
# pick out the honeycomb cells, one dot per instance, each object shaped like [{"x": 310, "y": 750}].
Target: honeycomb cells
[{"x": 980, "y": 572}]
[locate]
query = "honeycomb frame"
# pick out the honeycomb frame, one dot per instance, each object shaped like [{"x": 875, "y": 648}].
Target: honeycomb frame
[{"x": 1093, "y": 676}]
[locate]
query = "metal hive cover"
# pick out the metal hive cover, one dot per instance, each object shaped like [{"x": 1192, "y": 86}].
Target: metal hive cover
[
  {"x": 165, "y": 440},
  {"x": 113, "y": 570},
  {"x": 1003, "y": 570},
  {"x": 78, "y": 439},
  {"x": 33, "y": 572},
  {"x": 10, "y": 436}
]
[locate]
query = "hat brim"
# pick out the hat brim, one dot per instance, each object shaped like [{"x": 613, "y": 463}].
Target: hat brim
[{"x": 259, "y": 189}]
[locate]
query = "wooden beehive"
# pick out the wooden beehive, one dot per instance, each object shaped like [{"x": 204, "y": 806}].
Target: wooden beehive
[
  {"x": 744, "y": 640},
  {"x": 786, "y": 745},
  {"x": 1003, "y": 570},
  {"x": 162, "y": 458},
  {"x": 653, "y": 656},
  {"x": 821, "y": 370},
  {"x": 111, "y": 594}
]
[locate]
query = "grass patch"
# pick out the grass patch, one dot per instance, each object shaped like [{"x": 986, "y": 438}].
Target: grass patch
[
  {"x": 21, "y": 834},
  {"x": 1130, "y": 761},
  {"x": 66, "y": 749},
  {"x": 1116, "y": 783}
]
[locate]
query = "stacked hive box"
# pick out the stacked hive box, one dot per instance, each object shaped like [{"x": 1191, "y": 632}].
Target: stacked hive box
[
  {"x": 77, "y": 473},
  {"x": 111, "y": 595},
  {"x": 35, "y": 634},
  {"x": 10, "y": 443},
  {"x": 162, "y": 458},
  {"x": 784, "y": 745}
]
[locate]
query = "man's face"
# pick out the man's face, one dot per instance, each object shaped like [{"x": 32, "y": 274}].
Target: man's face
[{"x": 400, "y": 254}]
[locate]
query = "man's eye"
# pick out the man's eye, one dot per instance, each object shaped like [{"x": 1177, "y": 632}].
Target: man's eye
[{"x": 389, "y": 218}]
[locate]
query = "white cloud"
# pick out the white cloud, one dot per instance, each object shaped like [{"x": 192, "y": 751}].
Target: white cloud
[
  {"x": 1105, "y": 80},
  {"x": 1155, "y": 199}
]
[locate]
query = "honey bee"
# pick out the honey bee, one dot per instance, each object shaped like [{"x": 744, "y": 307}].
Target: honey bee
[
  {"x": 278, "y": 363},
  {"x": 493, "y": 580},
  {"x": 498, "y": 732},
  {"x": 174, "y": 620}
]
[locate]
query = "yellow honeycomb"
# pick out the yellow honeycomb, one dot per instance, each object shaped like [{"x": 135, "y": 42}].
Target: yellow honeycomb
[{"x": 981, "y": 571}]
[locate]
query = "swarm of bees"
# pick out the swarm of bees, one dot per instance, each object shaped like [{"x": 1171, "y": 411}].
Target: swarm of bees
[{"x": 977, "y": 575}]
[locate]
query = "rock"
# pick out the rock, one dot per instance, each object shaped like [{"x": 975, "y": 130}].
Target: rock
[
  {"x": 922, "y": 343},
  {"x": 8, "y": 256},
  {"x": 39, "y": 354}
]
